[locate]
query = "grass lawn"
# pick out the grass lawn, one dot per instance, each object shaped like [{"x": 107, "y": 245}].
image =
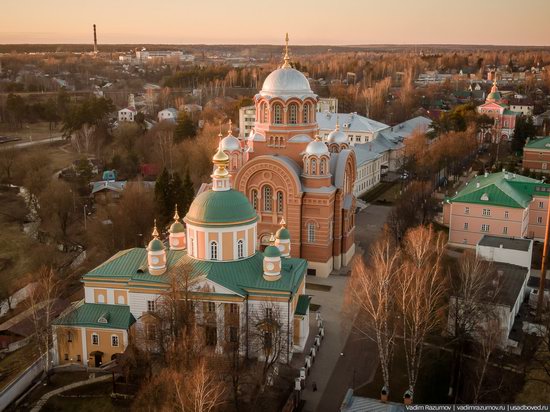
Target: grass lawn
[
  {"x": 433, "y": 380},
  {"x": 317, "y": 286},
  {"x": 38, "y": 131},
  {"x": 15, "y": 363}
]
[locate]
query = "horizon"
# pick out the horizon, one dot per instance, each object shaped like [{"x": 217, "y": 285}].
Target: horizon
[{"x": 242, "y": 23}]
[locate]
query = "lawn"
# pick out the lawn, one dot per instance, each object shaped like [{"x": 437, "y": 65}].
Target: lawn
[
  {"x": 384, "y": 192},
  {"x": 433, "y": 381},
  {"x": 15, "y": 363},
  {"x": 38, "y": 131}
]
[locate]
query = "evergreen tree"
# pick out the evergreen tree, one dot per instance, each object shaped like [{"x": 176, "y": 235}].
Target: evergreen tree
[
  {"x": 163, "y": 196},
  {"x": 189, "y": 192},
  {"x": 185, "y": 129},
  {"x": 177, "y": 192},
  {"x": 524, "y": 129}
]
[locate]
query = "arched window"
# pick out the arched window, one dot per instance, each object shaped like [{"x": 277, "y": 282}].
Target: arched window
[
  {"x": 192, "y": 246},
  {"x": 277, "y": 114},
  {"x": 322, "y": 165},
  {"x": 264, "y": 113},
  {"x": 255, "y": 199},
  {"x": 306, "y": 114},
  {"x": 235, "y": 161},
  {"x": 311, "y": 232},
  {"x": 306, "y": 163},
  {"x": 240, "y": 249},
  {"x": 100, "y": 298},
  {"x": 313, "y": 166},
  {"x": 293, "y": 113},
  {"x": 268, "y": 199},
  {"x": 214, "y": 250},
  {"x": 280, "y": 202}
]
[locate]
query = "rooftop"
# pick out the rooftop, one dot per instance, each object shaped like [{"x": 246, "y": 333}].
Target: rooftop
[
  {"x": 501, "y": 189},
  {"x": 349, "y": 122},
  {"x": 98, "y": 315},
  {"x": 539, "y": 142},
  {"x": 506, "y": 243}
]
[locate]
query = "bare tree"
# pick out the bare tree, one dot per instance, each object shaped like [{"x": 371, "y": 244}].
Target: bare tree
[
  {"x": 489, "y": 335},
  {"x": 8, "y": 158},
  {"x": 373, "y": 292},
  {"x": 41, "y": 300},
  {"x": 84, "y": 138},
  {"x": 421, "y": 291}
]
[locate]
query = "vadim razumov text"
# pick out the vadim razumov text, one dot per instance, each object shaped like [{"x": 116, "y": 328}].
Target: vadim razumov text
[{"x": 473, "y": 408}]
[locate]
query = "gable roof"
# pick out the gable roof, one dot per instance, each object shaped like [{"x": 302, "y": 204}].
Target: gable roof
[
  {"x": 501, "y": 189},
  {"x": 539, "y": 142},
  {"x": 98, "y": 315},
  {"x": 349, "y": 122}
]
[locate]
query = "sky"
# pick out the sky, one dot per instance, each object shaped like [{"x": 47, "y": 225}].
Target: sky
[{"x": 308, "y": 22}]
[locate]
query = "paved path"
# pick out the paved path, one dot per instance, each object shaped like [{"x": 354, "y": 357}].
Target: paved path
[
  {"x": 42, "y": 401},
  {"x": 333, "y": 373},
  {"x": 35, "y": 142}
]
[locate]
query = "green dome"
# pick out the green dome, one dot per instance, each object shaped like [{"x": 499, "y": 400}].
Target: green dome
[
  {"x": 177, "y": 227},
  {"x": 283, "y": 234},
  {"x": 155, "y": 245},
  {"x": 494, "y": 96},
  {"x": 272, "y": 251},
  {"x": 220, "y": 208}
]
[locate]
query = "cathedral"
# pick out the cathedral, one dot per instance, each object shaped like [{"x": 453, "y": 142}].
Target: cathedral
[{"x": 289, "y": 174}]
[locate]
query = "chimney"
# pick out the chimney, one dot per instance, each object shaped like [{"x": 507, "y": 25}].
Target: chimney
[
  {"x": 408, "y": 397},
  {"x": 384, "y": 393},
  {"x": 486, "y": 174},
  {"x": 95, "y": 40},
  {"x": 477, "y": 185}
]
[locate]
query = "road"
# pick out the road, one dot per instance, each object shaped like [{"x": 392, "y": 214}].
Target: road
[
  {"x": 335, "y": 374},
  {"x": 23, "y": 145}
]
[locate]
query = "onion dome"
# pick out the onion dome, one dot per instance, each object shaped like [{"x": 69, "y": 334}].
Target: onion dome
[
  {"x": 230, "y": 143},
  {"x": 177, "y": 226},
  {"x": 282, "y": 233},
  {"x": 272, "y": 251},
  {"x": 286, "y": 81},
  {"x": 495, "y": 93},
  {"x": 317, "y": 148},
  {"x": 337, "y": 136},
  {"x": 220, "y": 207},
  {"x": 155, "y": 245}
]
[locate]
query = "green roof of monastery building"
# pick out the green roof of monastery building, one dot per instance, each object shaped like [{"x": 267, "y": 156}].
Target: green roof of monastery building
[
  {"x": 240, "y": 276},
  {"x": 539, "y": 143},
  {"x": 218, "y": 208},
  {"x": 501, "y": 189},
  {"x": 98, "y": 315}
]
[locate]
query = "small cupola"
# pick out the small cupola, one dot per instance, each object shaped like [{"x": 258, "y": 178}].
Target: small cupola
[
  {"x": 220, "y": 177},
  {"x": 282, "y": 239},
  {"x": 156, "y": 254},
  {"x": 272, "y": 261},
  {"x": 337, "y": 140},
  {"x": 177, "y": 233}
]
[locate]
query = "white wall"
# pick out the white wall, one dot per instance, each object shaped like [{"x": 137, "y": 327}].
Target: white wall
[
  {"x": 510, "y": 256},
  {"x": 138, "y": 302}
]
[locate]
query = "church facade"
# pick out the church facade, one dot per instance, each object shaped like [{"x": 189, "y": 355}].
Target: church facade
[
  {"x": 498, "y": 109},
  {"x": 289, "y": 174}
]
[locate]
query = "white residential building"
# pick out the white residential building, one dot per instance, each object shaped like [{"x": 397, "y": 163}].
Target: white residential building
[
  {"x": 359, "y": 129},
  {"x": 327, "y": 104},
  {"x": 169, "y": 114},
  {"x": 247, "y": 117},
  {"x": 368, "y": 169}
]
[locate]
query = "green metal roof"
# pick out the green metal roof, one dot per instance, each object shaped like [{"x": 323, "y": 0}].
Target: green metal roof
[
  {"x": 98, "y": 315},
  {"x": 177, "y": 227},
  {"x": 303, "y": 305},
  {"x": 516, "y": 191},
  {"x": 239, "y": 275},
  {"x": 539, "y": 142},
  {"x": 223, "y": 207},
  {"x": 283, "y": 233}
]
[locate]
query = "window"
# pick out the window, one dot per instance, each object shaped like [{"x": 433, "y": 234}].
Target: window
[
  {"x": 211, "y": 336},
  {"x": 114, "y": 340},
  {"x": 280, "y": 202},
  {"x": 150, "y": 305},
  {"x": 505, "y": 230},
  {"x": 541, "y": 205},
  {"x": 293, "y": 113},
  {"x": 240, "y": 249},
  {"x": 233, "y": 334},
  {"x": 466, "y": 210},
  {"x": 100, "y": 298},
  {"x": 310, "y": 232},
  {"x": 539, "y": 220},
  {"x": 214, "y": 250},
  {"x": 95, "y": 339},
  {"x": 268, "y": 313},
  {"x": 120, "y": 300},
  {"x": 210, "y": 307},
  {"x": 255, "y": 198},
  {"x": 264, "y": 113},
  {"x": 465, "y": 225},
  {"x": 322, "y": 167},
  {"x": 78, "y": 358},
  {"x": 484, "y": 228},
  {"x": 69, "y": 336},
  {"x": 268, "y": 199},
  {"x": 313, "y": 166},
  {"x": 66, "y": 356},
  {"x": 233, "y": 308},
  {"x": 277, "y": 114},
  {"x": 306, "y": 113},
  {"x": 486, "y": 212},
  {"x": 506, "y": 214}
]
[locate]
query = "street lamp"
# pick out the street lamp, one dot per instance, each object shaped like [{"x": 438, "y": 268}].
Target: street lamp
[{"x": 85, "y": 216}]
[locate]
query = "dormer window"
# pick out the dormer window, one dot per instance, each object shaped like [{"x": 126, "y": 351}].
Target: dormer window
[
  {"x": 485, "y": 197},
  {"x": 104, "y": 318}
]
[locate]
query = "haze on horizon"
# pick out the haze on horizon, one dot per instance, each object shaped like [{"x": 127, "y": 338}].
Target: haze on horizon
[{"x": 348, "y": 22}]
